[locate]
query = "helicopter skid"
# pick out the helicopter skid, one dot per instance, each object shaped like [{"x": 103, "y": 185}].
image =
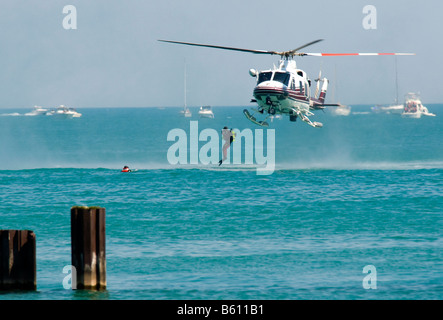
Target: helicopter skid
[
  {"x": 304, "y": 118},
  {"x": 251, "y": 118}
]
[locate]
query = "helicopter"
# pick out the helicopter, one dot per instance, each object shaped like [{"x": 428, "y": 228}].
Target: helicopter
[{"x": 285, "y": 90}]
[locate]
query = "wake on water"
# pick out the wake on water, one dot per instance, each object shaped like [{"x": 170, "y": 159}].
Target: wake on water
[
  {"x": 14, "y": 114},
  {"x": 380, "y": 166}
]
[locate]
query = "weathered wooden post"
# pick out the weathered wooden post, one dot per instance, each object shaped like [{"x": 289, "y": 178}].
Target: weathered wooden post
[
  {"x": 17, "y": 260},
  {"x": 88, "y": 247}
]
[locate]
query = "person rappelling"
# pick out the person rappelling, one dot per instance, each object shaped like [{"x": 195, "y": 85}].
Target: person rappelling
[{"x": 229, "y": 137}]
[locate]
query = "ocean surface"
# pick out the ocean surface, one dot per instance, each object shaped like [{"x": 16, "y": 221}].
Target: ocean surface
[{"x": 364, "y": 190}]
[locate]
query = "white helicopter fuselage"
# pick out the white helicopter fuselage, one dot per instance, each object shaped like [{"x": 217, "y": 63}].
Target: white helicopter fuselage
[{"x": 286, "y": 90}]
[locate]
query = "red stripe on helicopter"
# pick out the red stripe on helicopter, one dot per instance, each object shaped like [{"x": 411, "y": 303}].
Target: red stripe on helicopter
[{"x": 296, "y": 95}]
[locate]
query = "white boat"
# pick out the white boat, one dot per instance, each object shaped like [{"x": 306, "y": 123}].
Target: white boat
[
  {"x": 206, "y": 112},
  {"x": 37, "y": 111},
  {"x": 341, "y": 110},
  {"x": 63, "y": 111},
  {"x": 394, "y": 109},
  {"x": 413, "y": 108},
  {"x": 186, "y": 112}
]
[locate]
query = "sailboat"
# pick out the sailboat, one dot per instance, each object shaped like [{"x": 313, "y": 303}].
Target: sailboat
[
  {"x": 396, "y": 108},
  {"x": 186, "y": 112},
  {"x": 340, "y": 110}
]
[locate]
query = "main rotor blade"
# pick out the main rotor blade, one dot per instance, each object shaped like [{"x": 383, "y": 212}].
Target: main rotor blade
[
  {"x": 355, "y": 54},
  {"x": 221, "y": 47},
  {"x": 306, "y": 45},
  {"x": 290, "y": 53}
]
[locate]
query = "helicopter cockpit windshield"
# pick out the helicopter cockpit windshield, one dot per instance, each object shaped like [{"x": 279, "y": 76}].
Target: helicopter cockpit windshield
[
  {"x": 264, "y": 76},
  {"x": 282, "y": 77}
]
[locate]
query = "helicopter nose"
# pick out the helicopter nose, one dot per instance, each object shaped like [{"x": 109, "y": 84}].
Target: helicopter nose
[
  {"x": 272, "y": 84},
  {"x": 270, "y": 93}
]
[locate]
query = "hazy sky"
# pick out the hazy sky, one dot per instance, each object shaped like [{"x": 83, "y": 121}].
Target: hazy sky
[{"x": 113, "y": 58}]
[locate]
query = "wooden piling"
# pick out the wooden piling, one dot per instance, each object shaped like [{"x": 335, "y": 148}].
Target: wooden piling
[
  {"x": 17, "y": 260},
  {"x": 88, "y": 247}
]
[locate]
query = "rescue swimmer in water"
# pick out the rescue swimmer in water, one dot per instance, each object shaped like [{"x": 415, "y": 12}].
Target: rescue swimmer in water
[
  {"x": 126, "y": 169},
  {"x": 229, "y": 137}
]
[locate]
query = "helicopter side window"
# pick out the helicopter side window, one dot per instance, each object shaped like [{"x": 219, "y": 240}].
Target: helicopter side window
[
  {"x": 292, "y": 84},
  {"x": 282, "y": 77},
  {"x": 264, "y": 76}
]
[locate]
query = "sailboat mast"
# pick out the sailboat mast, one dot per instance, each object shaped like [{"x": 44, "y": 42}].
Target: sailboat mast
[
  {"x": 335, "y": 83},
  {"x": 185, "y": 85},
  {"x": 396, "y": 82}
]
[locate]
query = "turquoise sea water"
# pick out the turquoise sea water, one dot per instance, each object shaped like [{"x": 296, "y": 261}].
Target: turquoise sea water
[{"x": 365, "y": 189}]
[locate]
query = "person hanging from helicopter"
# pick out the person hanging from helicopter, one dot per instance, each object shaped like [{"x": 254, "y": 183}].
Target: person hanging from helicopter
[{"x": 229, "y": 137}]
